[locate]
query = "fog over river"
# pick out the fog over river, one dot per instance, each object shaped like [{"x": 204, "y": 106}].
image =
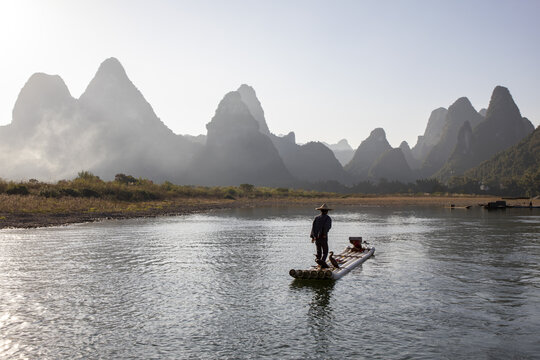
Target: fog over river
[{"x": 443, "y": 284}]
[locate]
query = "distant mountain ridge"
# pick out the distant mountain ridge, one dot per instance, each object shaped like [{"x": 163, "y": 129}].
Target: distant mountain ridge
[
  {"x": 112, "y": 129},
  {"x": 412, "y": 162},
  {"x": 367, "y": 153},
  {"x": 236, "y": 151},
  {"x": 432, "y": 135},
  {"x": 342, "y": 150},
  {"x": 249, "y": 97},
  {"x": 312, "y": 162},
  {"x": 502, "y": 128},
  {"x": 458, "y": 113},
  {"x": 391, "y": 165}
]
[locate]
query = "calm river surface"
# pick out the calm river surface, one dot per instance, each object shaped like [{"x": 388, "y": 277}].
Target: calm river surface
[{"x": 444, "y": 284}]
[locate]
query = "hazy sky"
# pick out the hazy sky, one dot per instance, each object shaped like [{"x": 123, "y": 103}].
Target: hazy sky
[{"x": 324, "y": 69}]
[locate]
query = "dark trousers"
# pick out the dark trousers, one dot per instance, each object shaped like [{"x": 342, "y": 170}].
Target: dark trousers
[{"x": 322, "y": 247}]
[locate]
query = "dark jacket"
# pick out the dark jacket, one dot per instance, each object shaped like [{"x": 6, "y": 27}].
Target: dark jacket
[{"x": 321, "y": 226}]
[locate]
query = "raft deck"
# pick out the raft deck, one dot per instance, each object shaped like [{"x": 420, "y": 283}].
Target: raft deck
[{"x": 347, "y": 259}]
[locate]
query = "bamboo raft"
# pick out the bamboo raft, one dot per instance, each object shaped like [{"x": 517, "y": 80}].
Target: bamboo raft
[{"x": 348, "y": 259}]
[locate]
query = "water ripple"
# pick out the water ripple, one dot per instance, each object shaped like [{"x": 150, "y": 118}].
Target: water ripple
[{"x": 442, "y": 285}]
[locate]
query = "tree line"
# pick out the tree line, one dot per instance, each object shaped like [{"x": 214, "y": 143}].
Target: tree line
[{"x": 128, "y": 188}]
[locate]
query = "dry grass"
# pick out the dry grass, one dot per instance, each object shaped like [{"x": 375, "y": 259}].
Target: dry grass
[
  {"x": 87, "y": 198},
  {"x": 37, "y": 211},
  {"x": 66, "y": 205},
  {"x": 34, "y": 211}
]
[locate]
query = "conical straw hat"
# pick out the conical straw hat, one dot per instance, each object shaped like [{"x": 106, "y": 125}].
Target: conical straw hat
[{"x": 323, "y": 207}]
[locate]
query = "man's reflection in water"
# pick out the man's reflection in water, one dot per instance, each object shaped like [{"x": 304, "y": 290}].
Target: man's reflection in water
[{"x": 320, "y": 314}]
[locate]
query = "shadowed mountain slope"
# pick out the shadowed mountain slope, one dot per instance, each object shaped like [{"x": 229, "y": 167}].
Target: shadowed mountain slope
[
  {"x": 391, "y": 165},
  {"x": 458, "y": 113},
  {"x": 236, "y": 151},
  {"x": 407, "y": 152},
  {"x": 312, "y": 162},
  {"x": 249, "y": 97},
  {"x": 502, "y": 128},
  {"x": 315, "y": 162},
  {"x": 522, "y": 159},
  {"x": 367, "y": 154},
  {"x": 432, "y": 135}
]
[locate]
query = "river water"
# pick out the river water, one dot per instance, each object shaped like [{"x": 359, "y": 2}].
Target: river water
[{"x": 444, "y": 284}]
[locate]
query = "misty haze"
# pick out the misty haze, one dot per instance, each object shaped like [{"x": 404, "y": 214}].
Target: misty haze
[
  {"x": 112, "y": 129},
  {"x": 269, "y": 179}
]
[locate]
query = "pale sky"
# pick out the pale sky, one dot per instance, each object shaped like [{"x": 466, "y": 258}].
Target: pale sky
[{"x": 326, "y": 70}]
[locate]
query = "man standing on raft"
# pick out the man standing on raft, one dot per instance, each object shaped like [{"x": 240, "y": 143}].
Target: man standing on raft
[{"x": 319, "y": 234}]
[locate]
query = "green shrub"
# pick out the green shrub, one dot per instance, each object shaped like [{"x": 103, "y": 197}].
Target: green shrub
[
  {"x": 143, "y": 195},
  {"x": 49, "y": 193},
  {"x": 125, "y": 179},
  {"x": 168, "y": 186},
  {"x": 86, "y": 175},
  {"x": 69, "y": 192},
  {"x": 34, "y": 184},
  {"x": 247, "y": 188},
  {"x": 127, "y": 188},
  {"x": 124, "y": 195},
  {"x": 89, "y": 193},
  {"x": 109, "y": 191},
  {"x": 17, "y": 189},
  {"x": 231, "y": 191}
]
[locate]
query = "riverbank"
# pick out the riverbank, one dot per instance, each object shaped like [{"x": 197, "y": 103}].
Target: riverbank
[{"x": 18, "y": 211}]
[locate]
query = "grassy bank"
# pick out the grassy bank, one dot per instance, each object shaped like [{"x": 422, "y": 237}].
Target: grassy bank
[
  {"x": 88, "y": 198},
  {"x": 128, "y": 188}
]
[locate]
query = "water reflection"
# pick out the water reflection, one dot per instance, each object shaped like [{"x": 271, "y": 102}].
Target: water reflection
[
  {"x": 321, "y": 291},
  {"x": 320, "y": 316}
]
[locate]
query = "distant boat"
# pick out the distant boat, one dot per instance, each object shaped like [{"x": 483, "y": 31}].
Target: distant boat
[
  {"x": 495, "y": 205},
  {"x": 457, "y": 207}
]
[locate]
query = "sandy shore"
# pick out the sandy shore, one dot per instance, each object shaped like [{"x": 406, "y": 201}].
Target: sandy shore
[{"x": 54, "y": 213}]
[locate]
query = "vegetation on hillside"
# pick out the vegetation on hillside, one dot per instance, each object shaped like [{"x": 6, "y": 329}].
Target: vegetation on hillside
[{"x": 513, "y": 172}]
